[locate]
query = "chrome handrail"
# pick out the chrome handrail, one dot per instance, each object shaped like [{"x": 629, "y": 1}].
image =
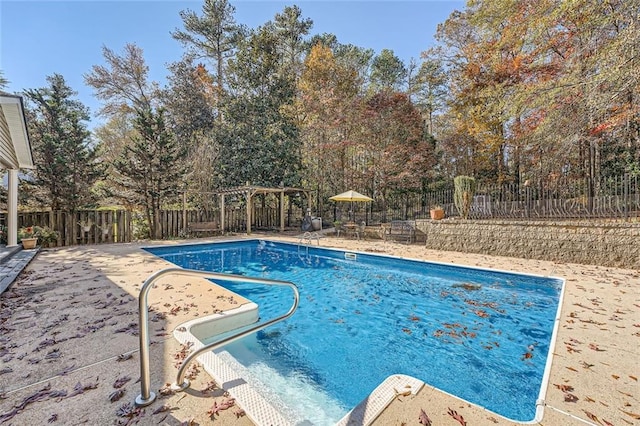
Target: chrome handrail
[{"x": 147, "y": 397}]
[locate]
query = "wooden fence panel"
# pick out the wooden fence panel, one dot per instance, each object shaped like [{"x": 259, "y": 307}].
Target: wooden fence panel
[{"x": 83, "y": 227}]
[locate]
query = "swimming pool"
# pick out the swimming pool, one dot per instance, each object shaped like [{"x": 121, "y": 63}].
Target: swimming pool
[{"x": 481, "y": 335}]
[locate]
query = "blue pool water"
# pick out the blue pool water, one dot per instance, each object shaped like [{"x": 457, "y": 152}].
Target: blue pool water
[{"x": 478, "y": 334}]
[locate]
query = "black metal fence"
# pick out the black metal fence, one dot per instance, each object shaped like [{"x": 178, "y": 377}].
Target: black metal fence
[{"x": 610, "y": 198}]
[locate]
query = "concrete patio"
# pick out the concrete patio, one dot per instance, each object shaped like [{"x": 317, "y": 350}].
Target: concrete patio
[{"x": 69, "y": 344}]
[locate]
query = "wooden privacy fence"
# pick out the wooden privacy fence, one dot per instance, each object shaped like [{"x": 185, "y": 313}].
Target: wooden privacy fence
[{"x": 81, "y": 227}]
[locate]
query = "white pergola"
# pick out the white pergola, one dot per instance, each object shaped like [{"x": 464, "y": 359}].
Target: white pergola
[{"x": 15, "y": 154}]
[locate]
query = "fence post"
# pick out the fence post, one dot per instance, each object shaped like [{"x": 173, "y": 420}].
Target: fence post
[
  {"x": 625, "y": 196},
  {"x": 590, "y": 195}
]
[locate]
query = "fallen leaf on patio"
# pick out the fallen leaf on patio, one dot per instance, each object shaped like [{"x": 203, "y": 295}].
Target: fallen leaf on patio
[
  {"x": 162, "y": 409},
  {"x": 121, "y": 381},
  {"x": 124, "y": 357},
  {"x": 405, "y": 393},
  {"x": 53, "y": 418},
  {"x": 564, "y": 388},
  {"x": 569, "y": 397},
  {"x": 634, "y": 415},
  {"x": 80, "y": 388},
  {"x": 116, "y": 395},
  {"x": 239, "y": 413},
  {"x": 424, "y": 419},
  {"x": 592, "y": 417},
  {"x": 192, "y": 371},
  {"x": 457, "y": 417},
  {"x": 41, "y": 395},
  {"x": 224, "y": 405},
  {"x": 166, "y": 390},
  {"x": 128, "y": 410}
]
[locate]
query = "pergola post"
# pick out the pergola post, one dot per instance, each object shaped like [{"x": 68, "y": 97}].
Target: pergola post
[
  {"x": 282, "y": 211},
  {"x": 248, "y": 196},
  {"x": 222, "y": 218},
  {"x": 185, "y": 223}
]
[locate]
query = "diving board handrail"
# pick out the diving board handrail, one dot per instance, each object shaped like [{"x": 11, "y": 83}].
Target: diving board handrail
[{"x": 147, "y": 397}]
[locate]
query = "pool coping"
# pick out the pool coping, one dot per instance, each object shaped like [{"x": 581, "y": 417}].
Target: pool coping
[{"x": 370, "y": 414}]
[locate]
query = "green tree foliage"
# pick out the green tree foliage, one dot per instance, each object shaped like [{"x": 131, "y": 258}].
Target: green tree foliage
[
  {"x": 123, "y": 84},
  {"x": 214, "y": 36},
  {"x": 114, "y": 136},
  {"x": 190, "y": 101},
  {"x": 429, "y": 89},
  {"x": 65, "y": 158},
  {"x": 290, "y": 29},
  {"x": 3, "y": 81},
  {"x": 388, "y": 72},
  {"x": 149, "y": 166},
  {"x": 259, "y": 144}
]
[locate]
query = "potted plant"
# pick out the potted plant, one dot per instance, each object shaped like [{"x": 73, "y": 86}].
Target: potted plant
[
  {"x": 437, "y": 212},
  {"x": 28, "y": 237},
  {"x": 46, "y": 236}
]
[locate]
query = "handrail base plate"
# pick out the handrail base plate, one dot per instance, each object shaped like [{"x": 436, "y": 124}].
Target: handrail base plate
[
  {"x": 142, "y": 402},
  {"x": 179, "y": 388}
]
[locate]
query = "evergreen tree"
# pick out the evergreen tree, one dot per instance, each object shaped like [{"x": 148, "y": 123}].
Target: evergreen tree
[
  {"x": 3, "y": 81},
  {"x": 261, "y": 140},
  {"x": 149, "y": 166},
  {"x": 65, "y": 159}
]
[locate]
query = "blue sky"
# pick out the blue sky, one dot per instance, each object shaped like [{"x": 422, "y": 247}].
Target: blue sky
[{"x": 39, "y": 38}]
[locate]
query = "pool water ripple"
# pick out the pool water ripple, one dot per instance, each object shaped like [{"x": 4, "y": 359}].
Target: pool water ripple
[{"x": 481, "y": 335}]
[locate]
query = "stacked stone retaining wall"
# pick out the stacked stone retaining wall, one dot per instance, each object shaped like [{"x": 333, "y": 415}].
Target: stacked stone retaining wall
[{"x": 606, "y": 244}]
